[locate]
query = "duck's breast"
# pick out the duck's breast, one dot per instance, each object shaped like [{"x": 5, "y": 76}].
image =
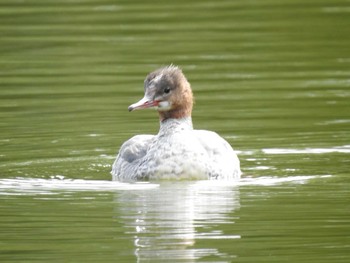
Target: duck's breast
[{"x": 177, "y": 156}]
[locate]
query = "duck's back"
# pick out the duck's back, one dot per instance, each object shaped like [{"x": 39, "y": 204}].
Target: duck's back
[
  {"x": 130, "y": 156},
  {"x": 224, "y": 163}
]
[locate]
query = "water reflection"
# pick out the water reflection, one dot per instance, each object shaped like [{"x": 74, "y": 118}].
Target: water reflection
[
  {"x": 166, "y": 222},
  {"x": 170, "y": 221}
]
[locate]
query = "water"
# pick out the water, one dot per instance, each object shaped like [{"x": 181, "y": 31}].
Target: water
[{"x": 270, "y": 77}]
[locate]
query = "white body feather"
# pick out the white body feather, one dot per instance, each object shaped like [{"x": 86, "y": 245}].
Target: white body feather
[{"x": 176, "y": 152}]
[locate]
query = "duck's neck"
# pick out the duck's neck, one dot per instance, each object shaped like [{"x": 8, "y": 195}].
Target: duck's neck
[
  {"x": 173, "y": 125},
  {"x": 176, "y": 113}
]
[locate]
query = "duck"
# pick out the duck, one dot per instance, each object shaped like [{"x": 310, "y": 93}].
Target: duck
[{"x": 178, "y": 151}]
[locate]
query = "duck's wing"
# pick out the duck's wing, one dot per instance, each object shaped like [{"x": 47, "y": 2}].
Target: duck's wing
[
  {"x": 224, "y": 160},
  {"x": 130, "y": 156}
]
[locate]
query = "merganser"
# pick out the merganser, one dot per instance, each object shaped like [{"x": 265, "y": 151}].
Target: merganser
[{"x": 178, "y": 151}]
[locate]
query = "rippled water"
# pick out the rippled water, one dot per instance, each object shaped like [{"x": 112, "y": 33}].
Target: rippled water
[
  {"x": 263, "y": 219},
  {"x": 270, "y": 77}
]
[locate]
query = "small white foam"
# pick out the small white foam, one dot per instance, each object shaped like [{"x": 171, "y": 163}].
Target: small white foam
[
  {"x": 94, "y": 135},
  {"x": 339, "y": 149},
  {"x": 339, "y": 121},
  {"x": 261, "y": 167},
  {"x": 270, "y": 181},
  {"x": 59, "y": 183}
]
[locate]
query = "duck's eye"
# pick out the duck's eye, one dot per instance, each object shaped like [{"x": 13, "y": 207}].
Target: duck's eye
[{"x": 166, "y": 90}]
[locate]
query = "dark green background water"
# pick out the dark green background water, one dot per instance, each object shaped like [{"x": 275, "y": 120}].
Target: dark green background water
[{"x": 272, "y": 77}]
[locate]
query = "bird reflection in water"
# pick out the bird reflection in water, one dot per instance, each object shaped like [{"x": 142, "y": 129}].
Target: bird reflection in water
[{"x": 166, "y": 222}]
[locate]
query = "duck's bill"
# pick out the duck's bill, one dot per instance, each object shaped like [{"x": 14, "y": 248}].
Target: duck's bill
[{"x": 144, "y": 103}]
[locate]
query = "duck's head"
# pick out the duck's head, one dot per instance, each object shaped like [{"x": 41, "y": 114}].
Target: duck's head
[{"x": 167, "y": 90}]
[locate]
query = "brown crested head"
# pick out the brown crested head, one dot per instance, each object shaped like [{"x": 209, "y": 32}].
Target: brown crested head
[{"x": 167, "y": 90}]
